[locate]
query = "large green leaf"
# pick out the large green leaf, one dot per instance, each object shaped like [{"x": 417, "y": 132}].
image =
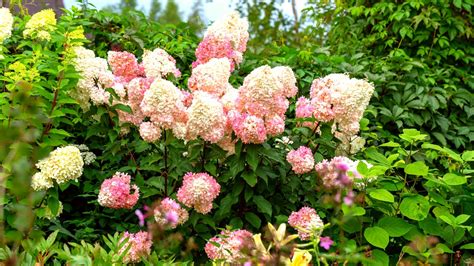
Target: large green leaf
[
  {"x": 415, "y": 207},
  {"x": 377, "y": 237}
]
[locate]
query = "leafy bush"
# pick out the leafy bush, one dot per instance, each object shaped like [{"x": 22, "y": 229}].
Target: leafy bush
[{"x": 406, "y": 199}]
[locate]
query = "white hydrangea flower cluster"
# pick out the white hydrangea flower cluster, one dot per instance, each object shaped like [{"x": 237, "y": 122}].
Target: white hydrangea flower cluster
[
  {"x": 212, "y": 77},
  {"x": 95, "y": 77},
  {"x": 6, "y": 24},
  {"x": 62, "y": 164},
  {"x": 158, "y": 63}
]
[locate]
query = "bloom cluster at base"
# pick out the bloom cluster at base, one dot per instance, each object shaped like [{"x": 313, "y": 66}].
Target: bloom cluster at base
[
  {"x": 338, "y": 98},
  {"x": 140, "y": 246},
  {"x": 230, "y": 246},
  {"x": 301, "y": 160},
  {"x": 307, "y": 222},
  {"x": 6, "y": 24},
  {"x": 227, "y": 38},
  {"x": 62, "y": 165},
  {"x": 40, "y": 25},
  {"x": 170, "y": 213},
  {"x": 198, "y": 191},
  {"x": 115, "y": 192}
]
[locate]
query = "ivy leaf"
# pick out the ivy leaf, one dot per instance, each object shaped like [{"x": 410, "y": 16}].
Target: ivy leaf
[
  {"x": 382, "y": 195},
  {"x": 417, "y": 168},
  {"x": 377, "y": 237},
  {"x": 263, "y": 205}
]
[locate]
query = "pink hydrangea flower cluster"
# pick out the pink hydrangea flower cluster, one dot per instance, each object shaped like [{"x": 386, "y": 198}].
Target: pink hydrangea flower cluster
[
  {"x": 338, "y": 98},
  {"x": 336, "y": 173},
  {"x": 262, "y": 102},
  {"x": 301, "y": 160},
  {"x": 140, "y": 243},
  {"x": 307, "y": 222},
  {"x": 116, "y": 192},
  {"x": 198, "y": 191},
  {"x": 232, "y": 247},
  {"x": 224, "y": 38},
  {"x": 170, "y": 213}
]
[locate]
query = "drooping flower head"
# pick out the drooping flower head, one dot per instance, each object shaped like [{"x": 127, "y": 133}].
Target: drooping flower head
[
  {"x": 62, "y": 165},
  {"x": 6, "y": 24},
  {"x": 140, "y": 246},
  {"x": 116, "y": 192},
  {"x": 198, "y": 191},
  {"x": 170, "y": 213},
  {"x": 158, "y": 63},
  {"x": 307, "y": 222},
  {"x": 301, "y": 160},
  {"x": 226, "y": 37},
  {"x": 232, "y": 247},
  {"x": 40, "y": 25}
]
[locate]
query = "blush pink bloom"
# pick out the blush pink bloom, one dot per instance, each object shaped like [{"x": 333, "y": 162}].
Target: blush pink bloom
[
  {"x": 116, "y": 193},
  {"x": 124, "y": 64},
  {"x": 149, "y": 131},
  {"x": 211, "y": 77},
  {"x": 232, "y": 247},
  {"x": 307, "y": 222},
  {"x": 301, "y": 160},
  {"x": 337, "y": 172},
  {"x": 170, "y": 213},
  {"x": 249, "y": 128},
  {"x": 325, "y": 242},
  {"x": 140, "y": 243},
  {"x": 198, "y": 191}
]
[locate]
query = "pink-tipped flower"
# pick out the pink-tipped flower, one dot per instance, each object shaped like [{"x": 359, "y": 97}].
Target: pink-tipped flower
[
  {"x": 232, "y": 247},
  {"x": 301, "y": 160},
  {"x": 325, "y": 242},
  {"x": 116, "y": 192},
  {"x": 249, "y": 128},
  {"x": 140, "y": 243},
  {"x": 198, "y": 191},
  {"x": 149, "y": 131},
  {"x": 307, "y": 222},
  {"x": 124, "y": 64},
  {"x": 170, "y": 213}
]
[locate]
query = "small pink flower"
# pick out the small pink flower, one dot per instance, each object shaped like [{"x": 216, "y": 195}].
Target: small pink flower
[
  {"x": 198, "y": 191},
  {"x": 307, "y": 222},
  {"x": 141, "y": 217},
  {"x": 116, "y": 193},
  {"x": 170, "y": 213},
  {"x": 325, "y": 242},
  {"x": 301, "y": 160}
]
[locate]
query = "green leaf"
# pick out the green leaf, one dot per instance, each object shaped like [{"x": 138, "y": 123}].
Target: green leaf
[
  {"x": 253, "y": 219},
  {"x": 467, "y": 246},
  {"x": 353, "y": 211},
  {"x": 415, "y": 207},
  {"x": 252, "y": 157},
  {"x": 263, "y": 205},
  {"x": 250, "y": 178},
  {"x": 395, "y": 227},
  {"x": 417, "y": 168},
  {"x": 462, "y": 218},
  {"x": 379, "y": 258},
  {"x": 468, "y": 156},
  {"x": 123, "y": 107},
  {"x": 382, "y": 195},
  {"x": 412, "y": 135},
  {"x": 457, "y": 3},
  {"x": 377, "y": 237},
  {"x": 53, "y": 205},
  {"x": 454, "y": 179}
]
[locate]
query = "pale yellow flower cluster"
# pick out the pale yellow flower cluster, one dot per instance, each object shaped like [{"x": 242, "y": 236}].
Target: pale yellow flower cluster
[
  {"x": 62, "y": 165},
  {"x": 40, "y": 25},
  {"x": 6, "y": 23}
]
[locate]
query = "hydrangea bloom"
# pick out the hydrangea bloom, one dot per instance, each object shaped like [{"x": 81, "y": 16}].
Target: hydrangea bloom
[
  {"x": 206, "y": 118},
  {"x": 249, "y": 128},
  {"x": 232, "y": 247},
  {"x": 6, "y": 24},
  {"x": 124, "y": 65},
  {"x": 338, "y": 97},
  {"x": 212, "y": 77},
  {"x": 336, "y": 173},
  {"x": 170, "y": 213},
  {"x": 62, "y": 164},
  {"x": 41, "y": 182},
  {"x": 116, "y": 193},
  {"x": 140, "y": 243},
  {"x": 301, "y": 160},
  {"x": 226, "y": 37},
  {"x": 40, "y": 25},
  {"x": 150, "y": 132},
  {"x": 95, "y": 77},
  {"x": 158, "y": 63},
  {"x": 198, "y": 191},
  {"x": 307, "y": 222},
  {"x": 163, "y": 103}
]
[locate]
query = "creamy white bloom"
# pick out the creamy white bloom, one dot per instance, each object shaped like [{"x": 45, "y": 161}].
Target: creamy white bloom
[{"x": 6, "y": 23}]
